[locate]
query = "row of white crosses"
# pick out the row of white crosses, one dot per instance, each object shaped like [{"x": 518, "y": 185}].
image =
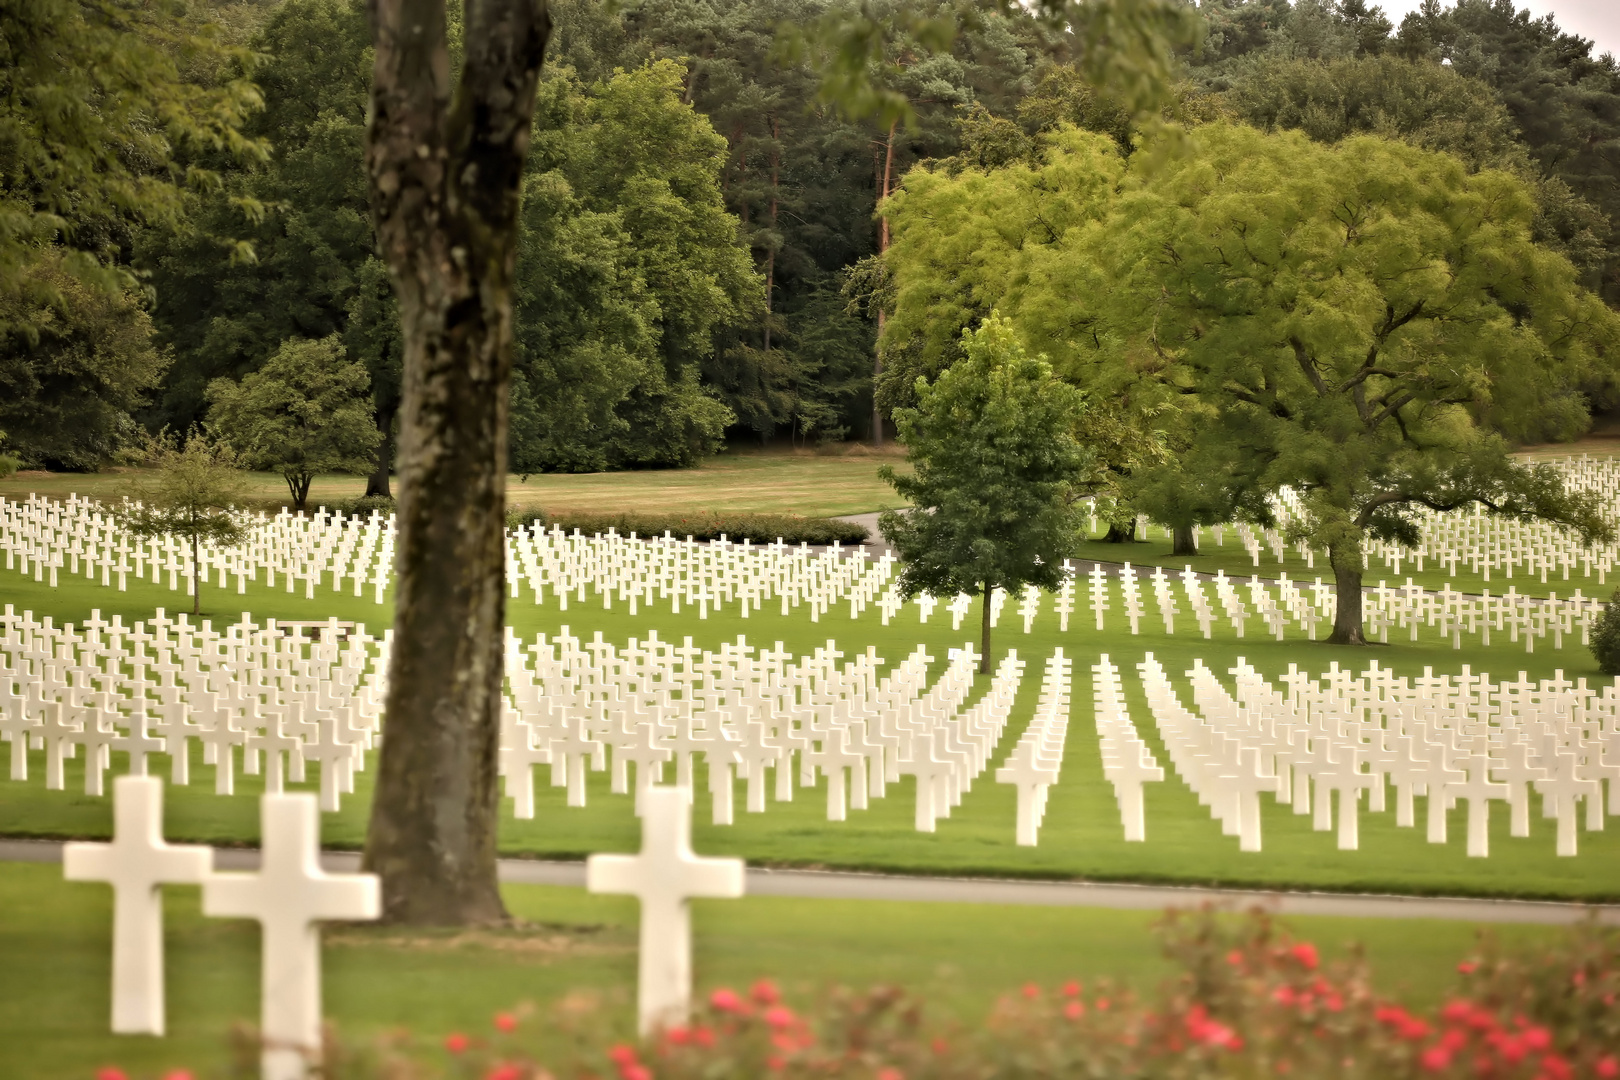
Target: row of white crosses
[
  {"x": 44, "y": 538},
  {"x": 638, "y": 573},
  {"x": 265, "y": 693},
  {"x": 745, "y": 712},
  {"x": 1127, "y": 761},
  {"x": 288, "y": 896},
  {"x": 1036, "y": 760},
  {"x": 1451, "y": 739},
  {"x": 1284, "y": 604}
]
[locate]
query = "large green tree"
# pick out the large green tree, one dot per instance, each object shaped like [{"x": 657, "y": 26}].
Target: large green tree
[
  {"x": 628, "y": 263},
  {"x": 74, "y": 369},
  {"x": 995, "y": 476},
  {"x": 307, "y": 411}
]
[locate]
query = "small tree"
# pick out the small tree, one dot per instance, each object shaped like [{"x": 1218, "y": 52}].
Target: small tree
[
  {"x": 996, "y": 467},
  {"x": 1606, "y": 637},
  {"x": 192, "y": 495},
  {"x": 307, "y": 411}
]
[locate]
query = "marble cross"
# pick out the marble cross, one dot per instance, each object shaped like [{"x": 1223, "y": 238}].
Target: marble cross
[
  {"x": 135, "y": 864},
  {"x": 665, "y": 876},
  {"x": 288, "y": 895}
]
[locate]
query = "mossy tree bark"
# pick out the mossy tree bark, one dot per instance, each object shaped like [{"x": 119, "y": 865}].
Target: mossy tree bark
[
  {"x": 1183, "y": 540},
  {"x": 1347, "y": 624},
  {"x": 984, "y": 631},
  {"x": 445, "y": 165}
]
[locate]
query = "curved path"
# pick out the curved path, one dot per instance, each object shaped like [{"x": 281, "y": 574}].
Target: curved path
[{"x": 841, "y": 885}]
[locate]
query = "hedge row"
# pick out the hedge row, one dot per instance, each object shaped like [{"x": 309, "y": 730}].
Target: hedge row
[{"x": 759, "y": 528}]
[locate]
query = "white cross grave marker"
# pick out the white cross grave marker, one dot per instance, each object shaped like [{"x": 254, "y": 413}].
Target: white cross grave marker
[
  {"x": 288, "y": 895},
  {"x": 664, "y": 877},
  {"x": 135, "y": 864}
]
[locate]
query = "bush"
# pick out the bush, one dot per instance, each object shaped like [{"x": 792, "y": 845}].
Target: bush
[
  {"x": 1248, "y": 1002},
  {"x": 759, "y": 528},
  {"x": 1606, "y": 637}
]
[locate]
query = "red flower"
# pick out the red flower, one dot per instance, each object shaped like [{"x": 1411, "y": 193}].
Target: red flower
[
  {"x": 1074, "y": 1010},
  {"x": 1305, "y": 953},
  {"x": 1235, "y": 958},
  {"x": 455, "y": 1042},
  {"x": 727, "y": 1001},
  {"x": 1607, "y": 1068},
  {"x": 678, "y": 1036},
  {"x": 111, "y": 1073},
  {"x": 1102, "y": 1003},
  {"x": 1435, "y": 1059},
  {"x": 178, "y": 1074},
  {"x": 1537, "y": 1038},
  {"x": 1071, "y": 988},
  {"x": 635, "y": 1072},
  {"x": 703, "y": 1036},
  {"x": 783, "y": 1041},
  {"x": 765, "y": 992},
  {"x": 1210, "y": 1032},
  {"x": 1284, "y": 995},
  {"x": 1454, "y": 1040},
  {"x": 939, "y": 1046},
  {"x": 779, "y": 1016},
  {"x": 506, "y": 1071},
  {"x": 890, "y": 1073},
  {"x": 775, "y": 1064},
  {"x": 623, "y": 1056},
  {"x": 1554, "y": 1067},
  {"x": 1467, "y": 967},
  {"x": 1457, "y": 1012},
  {"x": 505, "y": 1022},
  {"x": 1031, "y": 990}
]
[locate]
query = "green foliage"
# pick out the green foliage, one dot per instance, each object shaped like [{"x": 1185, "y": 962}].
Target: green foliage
[
  {"x": 192, "y": 496},
  {"x": 73, "y": 370},
  {"x": 307, "y": 411},
  {"x": 1564, "y": 99},
  {"x": 1605, "y": 637},
  {"x": 312, "y": 241},
  {"x": 737, "y": 527},
  {"x": 627, "y": 264},
  {"x": 996, "y": 471},
  {"x": 98, "y": 101}
]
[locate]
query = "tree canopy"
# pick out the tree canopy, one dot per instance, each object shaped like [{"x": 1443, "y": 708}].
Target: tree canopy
[
  {"x": 1363, "y": 323},
  {"x": 307, "y": 411}
]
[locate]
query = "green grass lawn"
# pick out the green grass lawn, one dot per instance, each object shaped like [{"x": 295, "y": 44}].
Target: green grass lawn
[
  {"x": 840, "y": 479},
  {"x": 1081, "y": 836},
  {"x": 55, "y": 939}
]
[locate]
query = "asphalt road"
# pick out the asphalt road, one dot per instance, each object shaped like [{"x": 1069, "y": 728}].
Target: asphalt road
[{"x": 836, "y": 885}]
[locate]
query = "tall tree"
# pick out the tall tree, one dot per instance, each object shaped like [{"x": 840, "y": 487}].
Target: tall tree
[
  {"x": 445, "y": 160},
  {"x": 191, "y": 493},
  {"x": 995, "y": 473},
  {"x": 1366, "y": 324}
]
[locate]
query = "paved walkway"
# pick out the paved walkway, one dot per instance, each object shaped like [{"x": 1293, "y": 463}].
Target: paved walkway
[{"x": 835, "y": 885}]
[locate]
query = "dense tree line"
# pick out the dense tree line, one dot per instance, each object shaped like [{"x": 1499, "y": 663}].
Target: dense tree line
[{"x": 698, "y": 239}]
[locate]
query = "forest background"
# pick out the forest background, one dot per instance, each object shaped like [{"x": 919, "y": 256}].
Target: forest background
[{"x": 699, "y": 220}]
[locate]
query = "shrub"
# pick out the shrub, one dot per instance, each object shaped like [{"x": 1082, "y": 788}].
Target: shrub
[
  {"x": 1606, "y": 637},
  {"x": 759, "y": 528},
  {"x": 1248, "y": 1002}
]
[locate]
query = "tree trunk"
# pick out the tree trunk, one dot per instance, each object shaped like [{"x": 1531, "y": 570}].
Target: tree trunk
[
  {"x": 1185, "y": 543},
  {"x": 1121, "y": 532},
  {"x": 1346, "y": 560},
  {"x": 883, "y": 246},
  {"x": 984, "y": 632},
  {"x": 196, "y": 579},
  {"x": 445, "y": 170},
  {"x": 377, "y": 482}
]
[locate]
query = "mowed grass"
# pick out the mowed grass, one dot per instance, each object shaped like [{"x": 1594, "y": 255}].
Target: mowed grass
[
  {"x": 54, "y": 1002},
  {"x": 1081, "y": 836},
  {"x": 839, "y": 479}
]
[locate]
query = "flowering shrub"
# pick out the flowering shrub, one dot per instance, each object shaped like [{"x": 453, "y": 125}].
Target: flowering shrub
[{"x": 1249, "y": 1002}]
